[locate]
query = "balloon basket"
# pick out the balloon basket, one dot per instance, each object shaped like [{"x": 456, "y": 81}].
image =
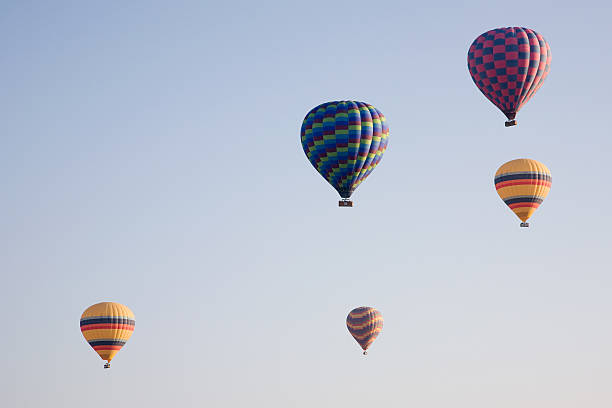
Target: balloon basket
[
  {"x": 365, "y": 353},
  {"x": 524, "y": 225},
  {"x": 345, "y": 203},
  {"x": 510, "y": 123},
  {"x": 107, "y": 365}
]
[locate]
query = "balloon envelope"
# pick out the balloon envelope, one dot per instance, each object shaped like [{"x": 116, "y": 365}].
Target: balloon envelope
[
  {"x": 364, "y": 323},
  {"x": 107, "y": 326},
  {"x": 344, "y": 141},
  {"x": 509, "y": 65},
  {"x": 523, "y": 184}
]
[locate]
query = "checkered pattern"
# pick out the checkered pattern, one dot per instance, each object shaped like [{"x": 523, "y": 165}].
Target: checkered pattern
[
  {"x": 345, "y": 141},
  {"x": 509, "y": 65}
]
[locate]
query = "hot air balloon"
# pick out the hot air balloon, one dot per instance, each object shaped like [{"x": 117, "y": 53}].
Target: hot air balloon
[
  {"x": 509, "y": 65},
  {"x": 364, "y": 324},
  {"x": 523, "y": 184},
  {"x": 345, "y": 141},
  {"x": 107, "y": 326}
]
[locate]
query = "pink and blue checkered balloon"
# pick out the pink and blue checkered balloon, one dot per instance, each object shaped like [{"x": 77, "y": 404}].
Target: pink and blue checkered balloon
[{"x": 509, "y": 65}]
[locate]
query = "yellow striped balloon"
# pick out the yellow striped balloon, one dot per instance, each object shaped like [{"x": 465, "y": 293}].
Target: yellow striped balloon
[
  {"x": 523, "y": 184},
  {"x": 107, "y": 326}
]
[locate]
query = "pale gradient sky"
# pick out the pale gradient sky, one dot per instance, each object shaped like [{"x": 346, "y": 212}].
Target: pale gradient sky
[{"x": 150, "y": 155}]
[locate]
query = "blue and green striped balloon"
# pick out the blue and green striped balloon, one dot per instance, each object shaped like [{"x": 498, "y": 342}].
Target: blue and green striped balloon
[{"x": 345, "y": 141}]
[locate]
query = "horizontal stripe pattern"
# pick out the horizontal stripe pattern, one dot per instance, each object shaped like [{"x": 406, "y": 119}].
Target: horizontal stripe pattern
[
  {"x": 365, "y": 324},
  {"x": 107, "y": 327},
  {"x": 524, "y": 175},
  {"x": 106, "y": 342},
  {"x": 523, "y": 184},
  {"x": 517, "y": 200},
  {"x": 107, "y": 320}
]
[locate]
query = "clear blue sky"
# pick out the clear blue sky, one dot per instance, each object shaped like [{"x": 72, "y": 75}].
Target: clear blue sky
[{"x": 150, "y": 156}]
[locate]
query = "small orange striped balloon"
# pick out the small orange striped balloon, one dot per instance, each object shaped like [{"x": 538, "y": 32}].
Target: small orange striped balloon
[
  {"x": 523, "y": 184},
  {"x": 107, "y": 326},
  {"x": 364, "y": 323}
]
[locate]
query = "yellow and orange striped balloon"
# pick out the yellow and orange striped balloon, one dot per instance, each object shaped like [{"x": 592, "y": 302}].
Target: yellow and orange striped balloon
[
  {"x": 107, "y": 326},
  {"x": 523, "y": 184}
]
